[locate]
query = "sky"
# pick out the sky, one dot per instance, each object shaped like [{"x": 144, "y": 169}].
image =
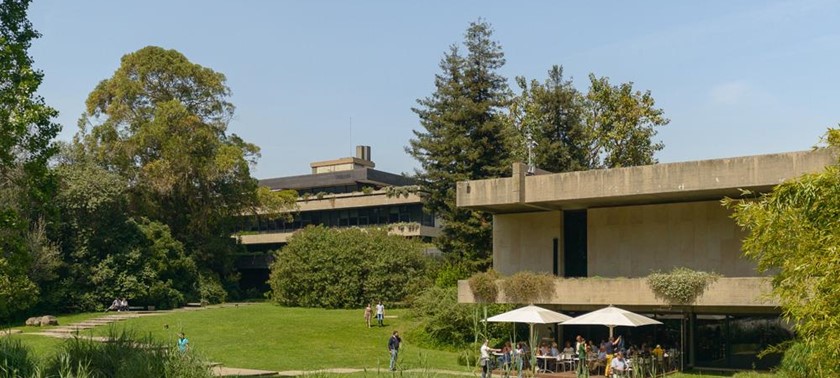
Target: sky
[{"x": 312, "y": 79}]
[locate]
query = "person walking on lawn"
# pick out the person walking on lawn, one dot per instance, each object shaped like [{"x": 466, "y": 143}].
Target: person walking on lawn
[
  {"x": 367, "y": 315},
  {"x": 380, "y": 314},
  {"x": 394, "y": 349}
]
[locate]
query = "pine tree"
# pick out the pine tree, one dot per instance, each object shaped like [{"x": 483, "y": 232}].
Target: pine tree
[{"x": 464, "y": 137}]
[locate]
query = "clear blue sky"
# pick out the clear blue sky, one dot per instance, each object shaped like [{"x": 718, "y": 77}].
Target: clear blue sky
[{"x": 735, "y": 77}]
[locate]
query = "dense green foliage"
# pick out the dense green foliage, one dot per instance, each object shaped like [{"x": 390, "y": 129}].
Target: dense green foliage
[
  {"x": 464, "y": 137},
  {"x": 26, "y": 133},
  {"x": 160, "y": 123},
  {"x": 681, "y": 286},
  {"x": 608, "y": 126},
  {"x": 346, "y": 268},
  {"x": 794, "y": 232},
  {"x": 446, "y": 323}
]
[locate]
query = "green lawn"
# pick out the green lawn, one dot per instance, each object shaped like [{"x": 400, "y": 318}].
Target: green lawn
[{"x": 265, "y": 336}]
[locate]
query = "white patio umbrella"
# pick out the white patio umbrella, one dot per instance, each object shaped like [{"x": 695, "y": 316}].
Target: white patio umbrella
[
  {"x": 612, "y": 317},
  {"x": 532, "y": 315}
]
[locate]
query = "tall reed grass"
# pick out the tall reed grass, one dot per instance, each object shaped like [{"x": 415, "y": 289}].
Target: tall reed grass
[{"x": 124, "y": 355}]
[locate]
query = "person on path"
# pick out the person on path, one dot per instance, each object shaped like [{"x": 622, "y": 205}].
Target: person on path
[
  {"x": 367, "y": 315},
  {"x": 519, "y": 357},
  {"x": 380, "y": 314},
  {"x": 394, "y": 349},
  {"x": 484, "y": 360},
  {"x": 183, "y": 343},
  {"x": 582, "y": 367}
]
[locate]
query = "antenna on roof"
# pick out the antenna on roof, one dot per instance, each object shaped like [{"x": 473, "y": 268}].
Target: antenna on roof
[{"x": 351, "y": 134}]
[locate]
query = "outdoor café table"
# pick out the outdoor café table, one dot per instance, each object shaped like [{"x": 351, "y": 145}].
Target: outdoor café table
[{"x": 545, "y": 367}]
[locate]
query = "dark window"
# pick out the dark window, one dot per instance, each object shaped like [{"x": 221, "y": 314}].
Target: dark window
[{"x": 574, "y": 243}]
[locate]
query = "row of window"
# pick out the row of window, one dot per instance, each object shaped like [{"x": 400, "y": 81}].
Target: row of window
[{"x": 371, "y": 216}]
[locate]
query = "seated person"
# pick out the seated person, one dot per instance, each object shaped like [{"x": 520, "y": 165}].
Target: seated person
[
  {"x": 554, "y": 351},
  {"x": 618, "y": 366},
  {"x": 124, "y": 304},
  {"x": 542, "y": 351},
  {"x": 115, "y": 305},
  {"x": 568, "y": 350}
]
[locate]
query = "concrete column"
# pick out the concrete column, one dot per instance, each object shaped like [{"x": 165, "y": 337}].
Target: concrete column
[{"x": 519, "y": 172}]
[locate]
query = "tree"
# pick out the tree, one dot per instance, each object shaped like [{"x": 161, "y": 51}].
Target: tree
[
  {"x": 160, "y": 122},
  {"x": 794, "y": 232},
  {"x": 26, "y": 134},
  {"x": 464, "y": 137},
  {"x": 566, "y": 130},
  {"x": 549, "y": 118},
  {"x": 346, "y": 268},
  {"x": 622, "y": 122},
  {"x": 108, "y": 253}
]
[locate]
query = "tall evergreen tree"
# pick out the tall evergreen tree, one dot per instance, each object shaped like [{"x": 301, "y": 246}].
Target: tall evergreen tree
[
  {"x": 464, "y": 136},
  {"x": 26, "y": 143}
]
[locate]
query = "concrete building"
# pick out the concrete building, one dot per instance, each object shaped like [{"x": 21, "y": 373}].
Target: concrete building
[
  {"x": 345, "y": 192},
  {"x": 606, "y": 230}
]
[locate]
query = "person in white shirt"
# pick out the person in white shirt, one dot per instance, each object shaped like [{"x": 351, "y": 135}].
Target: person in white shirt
[
  {"x": 618, "y": 366},
  {"x": 380, "y": 314},
  {"x": 485, "y": 362}
]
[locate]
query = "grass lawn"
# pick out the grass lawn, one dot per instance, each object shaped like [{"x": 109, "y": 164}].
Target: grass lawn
[
  {"x": 266, "y": 336},
  {"x": 270, "y": 337}
]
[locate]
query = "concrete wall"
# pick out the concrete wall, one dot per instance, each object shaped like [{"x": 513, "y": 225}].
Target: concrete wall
[
  {"x": 355, "y": 200},
  {"x": 727, "y": 294},
  {"x": 524, "y": 241},
  {"x": 632, "y": 241},
  {"x": 660, "y": 183}
]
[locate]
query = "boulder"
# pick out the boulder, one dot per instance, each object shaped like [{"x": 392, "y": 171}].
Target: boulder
[
  {"x": 48, "y": 320},
  {"x": 39, "y": 321}
]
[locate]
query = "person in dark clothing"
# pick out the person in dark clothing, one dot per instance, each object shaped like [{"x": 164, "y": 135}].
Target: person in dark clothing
[{"x": 394, "y": 349}]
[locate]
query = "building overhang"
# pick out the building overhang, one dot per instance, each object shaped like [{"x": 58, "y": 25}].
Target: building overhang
[
  {"x": 660, "y": 183},
  {"x": 749, "y": 295}
]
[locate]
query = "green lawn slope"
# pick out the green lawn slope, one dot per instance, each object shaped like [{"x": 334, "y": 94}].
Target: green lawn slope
[{"x": 270, "y": 337}]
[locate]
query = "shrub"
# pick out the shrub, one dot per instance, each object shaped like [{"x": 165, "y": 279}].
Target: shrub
[
  {"x": 448, "y": 274},
  {"x": 798, "y": 362},
  {"x": 345, "y": 268},
  {"x": 528, "y": 287},
  {"x": 682, "y": 286},
  {"x": 443, "y": 322},
  {"x": 210, "y": 289},
  {"x": 483, "y": 286}
]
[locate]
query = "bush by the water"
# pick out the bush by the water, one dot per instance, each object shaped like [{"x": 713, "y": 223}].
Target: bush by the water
[{"x": 346, "y": 268}]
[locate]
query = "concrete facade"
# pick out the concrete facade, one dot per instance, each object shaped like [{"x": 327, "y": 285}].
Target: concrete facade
[
  {"x": 632, "y": 241},
  {"x": 638, "y": 220},
  {"x": 614, "y": 227}
]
